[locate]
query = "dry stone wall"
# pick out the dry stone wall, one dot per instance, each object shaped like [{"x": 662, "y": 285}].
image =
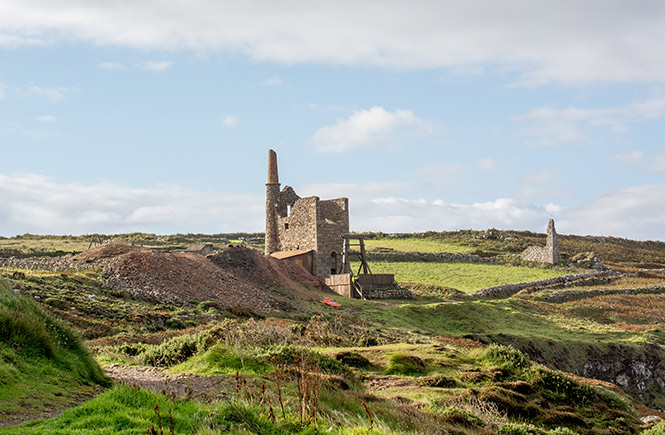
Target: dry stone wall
[
  {"x": 52, "y": 264},
  {"x": 388, "y": 293},
  {"x": 507, "y": 290},
  {"x": 428, "y": 257}
]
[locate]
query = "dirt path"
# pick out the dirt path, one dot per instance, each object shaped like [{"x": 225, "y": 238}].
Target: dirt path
[
  {"x": 180, "y": 385},
  {"x": 173, "y": 385}
]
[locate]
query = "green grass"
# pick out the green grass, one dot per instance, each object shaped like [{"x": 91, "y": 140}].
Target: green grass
[
  {"x": 43, "y": 363},
  {"x": 122, "y": 410},
  {"x": 467, "y": 277},
  {"x": 430, "y": 246}
]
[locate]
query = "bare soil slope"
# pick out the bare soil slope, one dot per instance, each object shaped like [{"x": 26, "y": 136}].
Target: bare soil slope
[
  {"x": 103, "y": 252},
  {"x": 268, "y": 272},
  {"x": 236, "y": 277}
]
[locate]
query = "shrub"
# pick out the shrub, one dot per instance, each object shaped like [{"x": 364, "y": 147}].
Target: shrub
[
  {"x": 558, "y": 387},
  {"x": 505, "y": 355},
  {"x": 353, "y": 359},
  {"x": 290, "y": 355},
  {"x": 403, "y": 364},
  {"x": 520, "y": 429},
  {"x": 656, "y": 429},
  {"x": 440, "y": 381},
  {"x": 563, "y": 431},
  {"x": 177, "y": 349}
]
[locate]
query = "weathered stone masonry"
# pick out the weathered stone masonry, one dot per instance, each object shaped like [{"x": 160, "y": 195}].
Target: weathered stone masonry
[
  {"x": 547, "y": 254},
  {"x": 295, "y": 224}
]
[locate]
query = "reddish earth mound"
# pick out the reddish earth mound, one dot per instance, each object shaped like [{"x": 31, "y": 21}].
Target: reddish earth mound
[
  {"x": 104, "y": 252},
  {"x": 265, "y": 271},
  {"x": 236, "y": 277}
]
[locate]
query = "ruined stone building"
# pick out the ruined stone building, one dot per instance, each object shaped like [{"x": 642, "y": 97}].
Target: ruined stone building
[
  {"x": 306, "y": 230},
  {"x": 548, "y": 253}
]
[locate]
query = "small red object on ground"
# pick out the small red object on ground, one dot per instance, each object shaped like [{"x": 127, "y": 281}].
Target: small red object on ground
[{"x": 329, "y": 301}]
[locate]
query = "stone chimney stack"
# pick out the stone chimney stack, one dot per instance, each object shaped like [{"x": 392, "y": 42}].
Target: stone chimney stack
[
  {"x": 272, "y": 200},
  {"x": 273, "y": 176},
  {"x": 552, "y": 246}
]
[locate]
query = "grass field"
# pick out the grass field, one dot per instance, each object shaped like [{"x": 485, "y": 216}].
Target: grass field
[
  {"x": 428, "y": 246},
  {"x": 467, "y": 277}
]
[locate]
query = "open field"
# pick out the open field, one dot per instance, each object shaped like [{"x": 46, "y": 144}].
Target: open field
[
  {"x": 467, "y": 277},
  {"x": 429, "y": 246}
]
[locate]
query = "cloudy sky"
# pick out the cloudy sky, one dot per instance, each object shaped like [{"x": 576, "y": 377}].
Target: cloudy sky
[{"x": 429, "y": 115}]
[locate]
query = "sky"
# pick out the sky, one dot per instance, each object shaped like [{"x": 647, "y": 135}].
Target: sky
[{"x": 123, "y": 116}]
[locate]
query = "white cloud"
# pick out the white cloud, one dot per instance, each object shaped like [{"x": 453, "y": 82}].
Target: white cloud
[
  {"x": 112, "y": 66},
  {"x": 273, "y": 81},
  {"x": 230, "y": 121},
  {"x": 635, "y": 212},
  {"x": 157, "y": 66},
  {"x": 369, "y": 128},
  {"x": 543, "y": 41},
  {"x": 36, "y": 204},
  {"x": 486, "y": 164},
  {"x": 556, "y": 126},
  {"x": 53, "y": 94},
  {"x": 46, "y": 118},
  {"x": 654, "y": 164}
]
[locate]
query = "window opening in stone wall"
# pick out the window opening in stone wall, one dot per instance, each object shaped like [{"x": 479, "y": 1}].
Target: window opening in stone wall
[
  {"x": 288, "y": 210},
  {"x": 286, "y": 226},
  {"x": 333, "y": 256}
]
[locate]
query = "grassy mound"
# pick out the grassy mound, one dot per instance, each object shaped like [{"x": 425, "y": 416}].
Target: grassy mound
[{"x": 43, "y": 363}]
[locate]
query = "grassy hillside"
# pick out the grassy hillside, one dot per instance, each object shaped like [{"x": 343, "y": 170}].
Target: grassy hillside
[
  {"x": 443, "y": 363},
  {"x": 31, "y": 245},
  {"x": 43, "y": 363},
  {"x": 496, "y": 242}
]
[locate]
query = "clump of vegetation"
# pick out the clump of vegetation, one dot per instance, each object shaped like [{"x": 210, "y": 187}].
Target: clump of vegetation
[
  {"x": 513, "y": 428},
  {"x": 508, "y": 358},
  {"x": 440, "y": 381},
  {"x": 290, "y": 355},
  {"x": 353, "y": 359},
  {"x": 404, "y": 364}
]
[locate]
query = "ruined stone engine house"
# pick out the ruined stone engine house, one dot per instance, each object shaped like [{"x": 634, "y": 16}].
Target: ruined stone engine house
[{"x": 305, "y": 230}]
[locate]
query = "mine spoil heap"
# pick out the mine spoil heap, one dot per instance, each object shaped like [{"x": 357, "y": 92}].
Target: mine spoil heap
[{"x": 236, "y": 277}]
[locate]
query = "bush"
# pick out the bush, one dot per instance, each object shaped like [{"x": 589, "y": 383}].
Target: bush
[
  {"x": 353, "y": 359},
  {"x": 520, "y": 429},
  {"x": 562, "y": 431},
  {"x": 656, "y": 429},
  {"x": 560, "y": 388},
  {"x": 505, "y": 355},
  {"x": 290, "y": 355},
  {"x": 403, "y": 364},
  {"x": 440, "y": 381}
]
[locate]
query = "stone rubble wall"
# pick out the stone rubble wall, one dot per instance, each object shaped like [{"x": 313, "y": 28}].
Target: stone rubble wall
[
  {"x": 388, "y": 293},
  {"x": 51, "y": 264},
  {"x": 571, "y": 295},
  {"x": 332, "y": 223},
  {"x": 507, "y": 290},
  {"x": 538, "y": 254},
  {"x": 428, "y": 257}
]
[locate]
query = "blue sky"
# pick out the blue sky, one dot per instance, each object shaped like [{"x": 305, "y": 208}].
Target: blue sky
[{"x": 133, "y": 116}]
